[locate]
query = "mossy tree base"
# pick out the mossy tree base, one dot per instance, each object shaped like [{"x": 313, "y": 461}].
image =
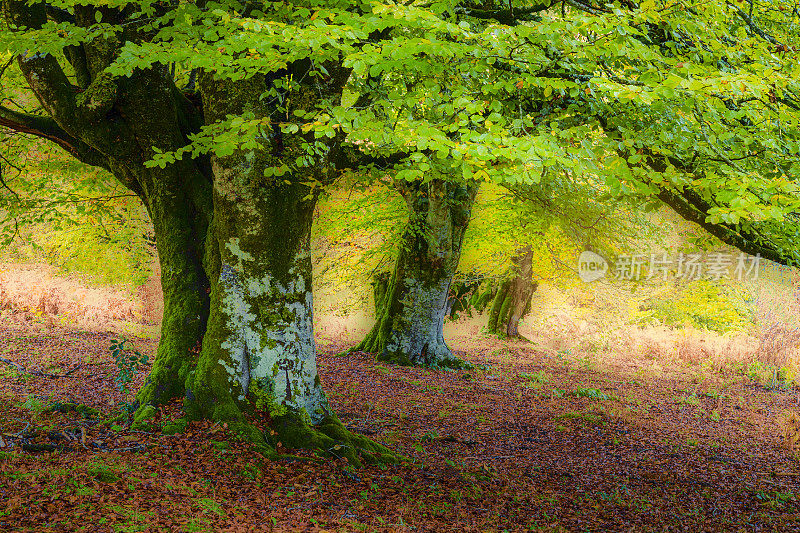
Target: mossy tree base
[
  {"x": 291, "y": 431},
  {"x": 329, "y": 438}
]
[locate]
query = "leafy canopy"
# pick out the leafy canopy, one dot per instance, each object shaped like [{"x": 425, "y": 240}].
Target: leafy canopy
[{"x": 695, "y": 103}]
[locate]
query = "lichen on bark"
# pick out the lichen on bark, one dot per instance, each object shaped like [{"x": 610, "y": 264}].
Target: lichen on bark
[{"x": 258, "y": 358}]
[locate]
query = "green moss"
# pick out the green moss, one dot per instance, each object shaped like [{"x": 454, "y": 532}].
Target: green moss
[
  {"x": 247, "y": 432},
  {"x": 79, "y": 408},
  {"x": 147, "y": 412},
  {"x": 175, "y": 427},
  {"x": 103, "y": 473},
  {"x": 98, "y": 99},
  {"x": 264, "y": 398},
  {"x": 329, "y": 438},
  {"x": 500, "y": 307},
  {"x": 400, "y": 359},
  {"x": 226, "y": 411}
]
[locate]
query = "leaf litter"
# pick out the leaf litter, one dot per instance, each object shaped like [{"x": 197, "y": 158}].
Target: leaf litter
[{"x": 524, "y": 441}]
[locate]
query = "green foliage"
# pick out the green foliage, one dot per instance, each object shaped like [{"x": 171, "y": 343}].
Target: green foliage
[
  {"x": 209, "y": 505},
  {"x": 701, "y": 304},
  {"x": 775, "y": 499},
  {"x": 669, "y": 96},
  {"x": 73, "y": 217},
  {"x": 539, "y": 377},
  {"x": 103, "y": 472},
  {"x": 771, "y": 376},
  {"x": 356, "y": 234},
  {"x": 595, "y": 394},
  {"x": 34, "y": 404},
  {"x": 66, "y": 407},
  {"x": 691, "y": 399},
  {"x": 129, "y": 361}
]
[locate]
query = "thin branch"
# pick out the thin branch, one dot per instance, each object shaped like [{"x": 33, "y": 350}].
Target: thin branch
[
  {"x": 592, "y": 10},
  {"x": 3, "y": 181},
  {"x": 5, "y": 67},
  {"x": 47, "y": 128},
  {"x": 508, "y": 16},
  {"x": 39, "y": 372},
  {"x": 753, "y": 26}
]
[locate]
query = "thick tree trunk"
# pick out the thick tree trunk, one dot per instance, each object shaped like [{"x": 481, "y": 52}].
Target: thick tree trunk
[
  {"x": 513, "y": 298},
  {"x": 258, "y": 355},
  {"x": 410, "y": 314},
  {"x": 237, "y": 336},
  {"x": 180, "y": 224},
  {"x": 483, "y": 296},
  {"x": 115, "y": 123}
]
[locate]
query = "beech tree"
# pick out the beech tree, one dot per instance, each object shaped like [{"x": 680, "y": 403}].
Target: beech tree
[
  {"x": 411, "y": 302},
  {"x": 227, "y": 118},
  {"x": 524, "y": 235}
]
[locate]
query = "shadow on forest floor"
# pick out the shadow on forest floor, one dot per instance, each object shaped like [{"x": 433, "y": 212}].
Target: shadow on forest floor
[{"x": 528, "y": 441}]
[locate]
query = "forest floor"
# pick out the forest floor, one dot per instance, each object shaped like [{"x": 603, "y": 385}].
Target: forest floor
[{"x": 530, "y": 440}]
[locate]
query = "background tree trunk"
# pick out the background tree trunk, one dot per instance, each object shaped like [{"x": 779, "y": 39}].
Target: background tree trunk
[
  {"x": 513, "y": 298},
  {"x": 410, "y": 311}
]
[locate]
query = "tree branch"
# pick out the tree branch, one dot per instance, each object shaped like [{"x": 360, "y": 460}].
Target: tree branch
[
  {"x": 78, "y": 113},
  {"x": 691, "y": 206},
  {"x": 508, "y": 16},
  {"x": 733, "y": 235},
  {"x": 753, "y": 26},
  {"x": 47, "y": 128}
]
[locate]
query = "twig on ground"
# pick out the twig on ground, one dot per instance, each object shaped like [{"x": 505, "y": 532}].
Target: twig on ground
[
  {"x": 12, "y": 363},
  {"x": 39, "y": 372}
]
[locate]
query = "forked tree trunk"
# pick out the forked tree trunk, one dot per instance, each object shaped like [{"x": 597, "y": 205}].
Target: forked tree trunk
[
  {"x": 513, "y": 298},
  {"x": 411, "y": 309},
  {"x": 237, "y": 336}
]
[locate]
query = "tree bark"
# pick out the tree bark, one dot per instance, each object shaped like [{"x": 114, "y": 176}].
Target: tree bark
[
  {"x": 512, "y": 301},
  {"x": 258, "y": 354},
  {"x": 180, "y": 229},
  {"x": 411, "y": 312}
]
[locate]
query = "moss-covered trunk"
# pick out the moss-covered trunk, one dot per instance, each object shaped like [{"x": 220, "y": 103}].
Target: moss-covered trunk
[
  {"x": 180, "y": 223},
  {"x": 512, "y": 301},
  {"x": 258, "y": 360},
  {"x": 259, "y": 352},
  {"x": 118, "y": 123},
  {"x": 410, "y": 311}
]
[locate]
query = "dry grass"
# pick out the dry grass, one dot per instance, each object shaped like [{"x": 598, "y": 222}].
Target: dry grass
[
  {"x": 789, "y": 422},
  {"x": 33, "y": 293},
  {"x": 591, "y": 324}
]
